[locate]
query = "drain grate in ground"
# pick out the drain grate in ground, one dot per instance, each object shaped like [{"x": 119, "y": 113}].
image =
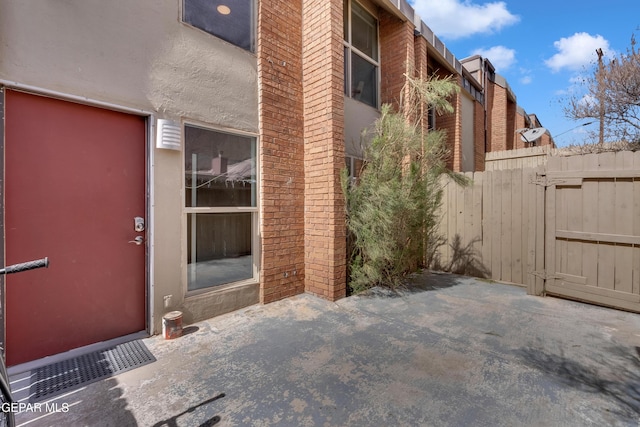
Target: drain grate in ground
[{"x": 73, "y": 373}]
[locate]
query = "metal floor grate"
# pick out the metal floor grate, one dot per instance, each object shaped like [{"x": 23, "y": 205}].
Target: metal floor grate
[{"x": 62, "y": 376}]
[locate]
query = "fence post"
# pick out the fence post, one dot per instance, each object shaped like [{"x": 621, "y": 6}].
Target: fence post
[{"x": 536, "y": 248}]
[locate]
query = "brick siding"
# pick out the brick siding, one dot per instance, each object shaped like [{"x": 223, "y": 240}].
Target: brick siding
[
  {"x": 396, "y": 57},
  {"x": 281, "y": 149},
  {"x": 324, "y": 223},
  {"x": 519, "y": 124},
  {"x": 478, "y": 136},
  {"x": 498, "y": 108}
]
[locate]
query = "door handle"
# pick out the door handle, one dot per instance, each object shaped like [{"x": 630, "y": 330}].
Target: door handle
[{"x": 138, "y": 240}]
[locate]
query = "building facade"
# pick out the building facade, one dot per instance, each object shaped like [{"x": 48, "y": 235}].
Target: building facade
[{"x": 186, "y": 154}]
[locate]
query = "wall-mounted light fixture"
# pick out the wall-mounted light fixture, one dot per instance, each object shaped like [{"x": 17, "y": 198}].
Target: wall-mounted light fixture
[{"x": 223, "y": 9}]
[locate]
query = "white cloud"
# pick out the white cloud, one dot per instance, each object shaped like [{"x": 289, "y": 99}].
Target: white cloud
[
  {"x": 588, "y": 101},
  {"x": 500, "y": 56},
  {"x": 525, "y": 76},
  {"x": 577, "y": 79},
  {"x": 455, "y": 19},
  {"x": 577, "y": 51}
]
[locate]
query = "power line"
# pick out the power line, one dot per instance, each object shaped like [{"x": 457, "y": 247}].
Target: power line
[{"x": 579, "y": 126}]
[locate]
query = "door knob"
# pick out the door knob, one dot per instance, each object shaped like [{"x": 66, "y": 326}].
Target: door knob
[{"x": 138, "y": 240}]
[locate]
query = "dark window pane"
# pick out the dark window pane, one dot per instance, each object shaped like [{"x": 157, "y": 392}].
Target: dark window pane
[
  {"x": 363, "y": 80},
  {"x": 346, "y": 69},
  {"x": 345, "y": 21},
  {"x": 219, "y": 249},
  {"x": 231, "y": 20},
  {"x": 220, "y": 169}
]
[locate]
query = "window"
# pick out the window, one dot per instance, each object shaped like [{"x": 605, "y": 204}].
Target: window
[
  {"x": 230, "y": 20},
  {"x": 360, "y": 54},
  {"x": 220, "y": 207},
  {"x": 354, "y": 168},
  {"x": 431, "y": 118}
]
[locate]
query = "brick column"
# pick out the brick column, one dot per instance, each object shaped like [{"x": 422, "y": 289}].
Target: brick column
[
  {"x": 421, "y": 71},
  {"x": 281, "y": 149},
  {"x": 520, "y": 124},
  {"x": 489, "y": 92},
  {"x": 454, "y": 129},
  {"x": 499, "y": 118},
  {"x": 478, "y": 136},
  {"x": 397, "y": 57},
  {"x": 451, "y": 123},
  {"x": 323, "y": 75},
  {"x": 511, "y": 123}
]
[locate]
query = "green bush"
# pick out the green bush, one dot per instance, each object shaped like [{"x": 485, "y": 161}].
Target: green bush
[{"x": 392, "y": 208}]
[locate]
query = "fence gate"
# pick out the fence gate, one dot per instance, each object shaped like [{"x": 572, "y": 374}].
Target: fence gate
[{"x": 592, "y": 228}]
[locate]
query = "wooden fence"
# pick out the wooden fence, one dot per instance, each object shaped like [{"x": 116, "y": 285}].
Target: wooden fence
[
  {"x": 521, "y": 158},
  {"x": 490, "y": 226},
  {"x": 569, "y": 227}
]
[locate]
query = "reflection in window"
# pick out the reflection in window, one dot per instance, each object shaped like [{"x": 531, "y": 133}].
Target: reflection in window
[
  {"x": 231, "y": 20},
  {"x": 363, "y": 80},
  {"x": 364, "y": 31},
  {"x": 220, "y": 206},
  {"x": 220, "y": 169}
]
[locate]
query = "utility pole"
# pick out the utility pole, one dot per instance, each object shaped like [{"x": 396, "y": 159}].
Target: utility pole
[{"x": 601, "y": 94}]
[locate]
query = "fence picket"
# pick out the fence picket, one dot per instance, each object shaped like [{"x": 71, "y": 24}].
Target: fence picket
[
  {"x": 606, "y": 203},
  {"x": 528, "y": 222},
  {"x": 590, "y": 222},
  {"x": 623, "y": 223},
  {"x": 635, "y": 268}
]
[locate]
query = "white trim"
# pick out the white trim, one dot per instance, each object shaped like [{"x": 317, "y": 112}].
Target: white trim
[
  {"x": 151, "y": 126},
  {"x": 348, "y": 45},
  {"x": 253, "y": 210},
  {"x": 218, "y": 128}
]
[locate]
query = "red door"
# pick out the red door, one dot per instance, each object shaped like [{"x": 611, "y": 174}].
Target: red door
[{"x": 74, "y": 182}]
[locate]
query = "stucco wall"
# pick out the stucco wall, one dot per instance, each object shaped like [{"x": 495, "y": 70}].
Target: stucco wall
[
  {"x": 135, "y": 54},
  {"x": 358, "y": 117},
  {"x": 467, "y": 140}
]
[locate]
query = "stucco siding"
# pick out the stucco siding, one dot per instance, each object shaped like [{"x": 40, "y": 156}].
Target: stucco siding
[{"x": 136, "y": 54}]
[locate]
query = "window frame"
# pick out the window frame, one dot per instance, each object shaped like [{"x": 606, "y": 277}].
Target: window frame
[
  {"x": 350, "y": 49},
  {"x": 254, "y": 210}
]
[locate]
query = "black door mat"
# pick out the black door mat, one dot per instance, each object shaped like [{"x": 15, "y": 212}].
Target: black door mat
[{"x": 79, "y": 371}]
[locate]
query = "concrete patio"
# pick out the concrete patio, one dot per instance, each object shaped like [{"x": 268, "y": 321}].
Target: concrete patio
[{"x": 447, "y": 351}]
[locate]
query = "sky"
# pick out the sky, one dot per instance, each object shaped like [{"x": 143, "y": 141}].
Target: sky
[{"x": 542, "y": 47}]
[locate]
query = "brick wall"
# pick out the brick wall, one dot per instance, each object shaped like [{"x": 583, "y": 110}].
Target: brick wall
[
  {"x": 478, "y": 136},
  {"x": 488, "y": 100},
  {"x": 396, "y": 57},
  {"x": 451, "y": 124},
  {"x": 520, "y": 123},
  {"x": 454, "y": 130},
  {"x": 281, "y": 149},
  {"x": 324, "y": 222},
  {"x": 545, "y": 139},
  {"x": 511, "y": 123},
  {"x": 498, "y": 108},
  {"x": 421, "y": 71}
]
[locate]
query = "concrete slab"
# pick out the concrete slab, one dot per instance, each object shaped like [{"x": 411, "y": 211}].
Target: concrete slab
[{"x": 448, "y": 351}]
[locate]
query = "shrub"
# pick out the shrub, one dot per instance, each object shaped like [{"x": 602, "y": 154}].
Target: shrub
[{"x": 391, "y": 209}]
